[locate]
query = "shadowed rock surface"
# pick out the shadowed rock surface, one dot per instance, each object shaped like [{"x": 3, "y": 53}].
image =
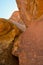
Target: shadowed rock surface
[
  {"x": 8, "y": 33},
  {"x": 6, "y": 58}
]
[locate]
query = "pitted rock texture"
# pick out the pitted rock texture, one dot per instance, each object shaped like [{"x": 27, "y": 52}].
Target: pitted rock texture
[{"x": 30, "y": 48}]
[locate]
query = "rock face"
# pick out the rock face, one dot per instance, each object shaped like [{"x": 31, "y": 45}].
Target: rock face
[
  {"x": 30, "y": 48},
  {"x": 8, "y": 34},
  {"x": 30, "y": 9}
]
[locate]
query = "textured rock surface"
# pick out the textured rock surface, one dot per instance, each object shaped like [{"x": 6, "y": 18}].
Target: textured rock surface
[
  {"x": 8, "y": 33},
  {"x": 6, "y": 57},
  {"x": 30, "y": 45},
  {"x": 16, "y": 17},
  {"x": 30, "y": 49},
  {"x": 30, "y": 9}
]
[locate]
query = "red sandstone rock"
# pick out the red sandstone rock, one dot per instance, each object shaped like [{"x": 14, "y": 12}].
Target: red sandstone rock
[
  {"x": 30, "y": 48},
  {"x": 30, "y": 10},
  {"x": 16, "y": 17}
]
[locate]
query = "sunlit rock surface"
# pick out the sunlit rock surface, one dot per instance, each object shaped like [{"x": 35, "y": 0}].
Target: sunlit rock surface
[
  {"x": 30, "y": 10},
  {"x": 16, "y": 17}
]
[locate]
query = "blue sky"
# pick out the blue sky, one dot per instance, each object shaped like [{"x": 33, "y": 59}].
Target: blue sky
[{"x": 7, "y": 7}]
